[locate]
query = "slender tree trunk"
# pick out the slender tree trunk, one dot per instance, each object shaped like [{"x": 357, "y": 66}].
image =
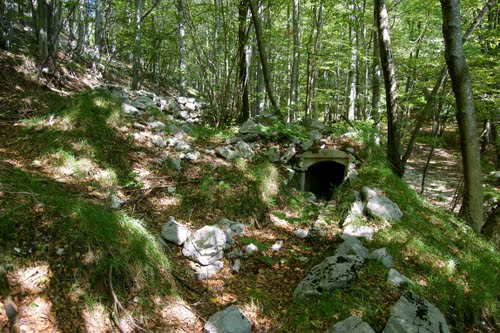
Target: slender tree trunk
[
  {"x": 376, "y": 78},
  {"x": 294, "y": 76},
  {"x": 496, "y": 142},
  {"x": 391, "y": 89},
  {"x": 98, "y": 31},
  {"x": 54, "y": 29},
  {"x": 9, "y": 36},
  {"x": 136, "y": 67},
  {"x": 80, "y": 28},
  {"x": 43, "y": 44},
  {"x": 431, "y": 100},
  {"x": 182, "y": 47},
  {"x": 243, "y": 105},
  {"x": 472, "y": 208},
  {"x": 353, "y": 70},
  {"x": 262, "y": 53}
]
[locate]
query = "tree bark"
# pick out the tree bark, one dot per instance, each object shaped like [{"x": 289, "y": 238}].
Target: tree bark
[
  {"x": 80, "y": 27},
  {"x": 353, "y": 69},
  {"x": 262, "y": 53},
  {"x": 294, "y": 76},
  {"x": 472, "y": 208},
  {"x": 43, "y": 44},
  {"x": 376, "y": 78},
  {"x": 243, "y": 102},
  {"x": 98, "y": 30},
  {"x": 390, "y": 83},
  {"x": 182, "y": 48},
  {"x": 431, "y": 100},
  {"x": 136, "y": 67}
]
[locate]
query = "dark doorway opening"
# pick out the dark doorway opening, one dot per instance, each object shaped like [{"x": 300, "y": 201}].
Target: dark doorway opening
[{"x": 322, "y": 178}]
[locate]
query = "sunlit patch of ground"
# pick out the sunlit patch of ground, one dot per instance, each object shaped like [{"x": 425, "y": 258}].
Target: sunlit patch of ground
[{"x": 443, "y": 176}]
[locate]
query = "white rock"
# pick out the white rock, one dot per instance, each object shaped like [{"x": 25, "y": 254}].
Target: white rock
[
  {"x": 301, "y": 233},
  {"x": 397, "y": 279},
  {"x": 230, "y": 320},
  {"x": 175, "y": 232},
  {"x": 251, "y": 248},
  {"x": 158, "y": 141},
  {"x": 277, "y": 246},
  {"x": 205, "y": 246},
  {"x": 237, "y": 265}
]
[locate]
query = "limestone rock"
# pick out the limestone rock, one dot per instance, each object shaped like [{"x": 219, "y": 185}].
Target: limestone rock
[
  {"x": 249, "y": 127},
  {"x": 384, "y": 208},
  {"x": 367, "y": 193},
  {"x": 206, "y": 272},
  {"x": 359, "y": 231},
  {"x": 182, "y": 100},
  {"x": 227, "y": 152},
  {"x": 352, "y": 245},
  {"x": 175, "y": 232},
  {"x": 334, "y": 272},
  {"x": 351, "y": 324},
  {"x": 243, "y": 150},
  {"x": 397, "y": 279},
  {"x": 232, "y": 227},
  {"x": 158, "y": 141},
  {"x": 237, "y": 265},
  {"x": 157, "y": 126},
  {"x": 383, "y": 256},
  {"x": 414, "y": 314},
  {"x": 273, "y": 154},
  {"x": 290, "y": 153},
  {"x": 251, "y": 248},
  {"x": 129, "y": 109},
  {"x": 356, "y": 213},
  {"x": 229, "y": 320},
  {"x": 301, "y": 233},
  {"x": 277, "y": 246},
  {"x": 205, "y": 246}
]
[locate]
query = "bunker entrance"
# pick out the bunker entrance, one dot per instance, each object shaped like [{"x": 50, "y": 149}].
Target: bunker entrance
[{"x": 323, "y": 177}]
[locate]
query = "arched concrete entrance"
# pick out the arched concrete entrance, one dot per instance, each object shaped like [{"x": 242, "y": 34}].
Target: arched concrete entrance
[{"x": 321, "y": 172}]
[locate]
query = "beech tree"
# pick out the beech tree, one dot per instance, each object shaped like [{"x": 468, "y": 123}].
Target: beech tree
[{"x": 472, "y": 208}]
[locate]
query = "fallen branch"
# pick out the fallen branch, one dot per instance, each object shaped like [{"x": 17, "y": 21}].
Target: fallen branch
[{"x": 117, "y": 304}]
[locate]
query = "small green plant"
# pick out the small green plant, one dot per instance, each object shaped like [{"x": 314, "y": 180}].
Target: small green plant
[{"x": 262, "y": 246}]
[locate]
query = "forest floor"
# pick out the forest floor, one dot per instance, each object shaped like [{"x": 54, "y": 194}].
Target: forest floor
[
  {"x": 443, "y": 176},
  {"x": 60, "y": 267}
]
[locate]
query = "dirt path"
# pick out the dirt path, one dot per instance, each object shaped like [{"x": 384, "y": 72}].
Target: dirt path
[{"x": 443, "y": 176}]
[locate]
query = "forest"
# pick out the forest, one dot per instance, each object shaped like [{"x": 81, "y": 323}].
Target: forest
[{"x": 249, "y": 166}]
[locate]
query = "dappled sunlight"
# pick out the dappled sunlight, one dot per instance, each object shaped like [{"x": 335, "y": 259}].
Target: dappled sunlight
[
  {"x": 96, "y": 318},
  {"x": 177, "y": 316},
  {"x": 37, "y": 315},
  {"x": 34, "y": 279},
  {"x": 256, "y": 313}
]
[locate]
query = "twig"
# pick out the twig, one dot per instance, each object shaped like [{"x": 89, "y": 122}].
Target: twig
[{"x": 119, "y": 305}]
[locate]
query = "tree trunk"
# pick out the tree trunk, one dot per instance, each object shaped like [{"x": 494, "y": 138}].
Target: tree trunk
[
  {"x": 262, "y": 53},
  {"x": 243, "y": 105},
  {"x": 472, "y": 208},
  {"x": 98, "y": 30},
  {"x": 431, "y": 100},
  {"x": 80, "y": 27},
  {"x": 43, "y": 44},
  {"x": 294, "y": 76},
  {"x": 136, "y": 67},
  {"x": 182, "y": 48},
  {"x": 376, "y": 78},
  {"x": 391, "y": 89},
  {"x": 353, "y": 70},
  {"x": 9, "y": 36}
]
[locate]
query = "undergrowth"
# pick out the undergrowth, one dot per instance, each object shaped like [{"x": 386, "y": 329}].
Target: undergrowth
[{"x": 453, "y": 267}]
